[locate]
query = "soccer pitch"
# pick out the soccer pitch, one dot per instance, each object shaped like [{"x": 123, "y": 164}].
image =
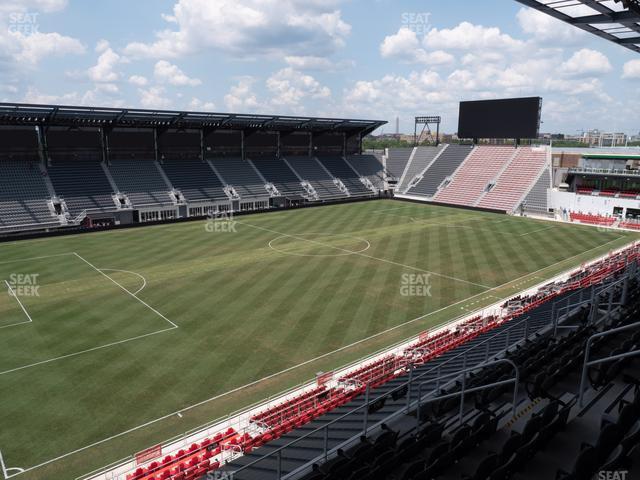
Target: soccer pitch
[{"x": 106, "y": 332}]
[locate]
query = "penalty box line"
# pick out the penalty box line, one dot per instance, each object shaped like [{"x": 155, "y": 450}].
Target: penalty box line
[
  {"x": 100, "y": 347},
  {"x": 13, "y": 293},
  {"x": 127, "y": 291}
]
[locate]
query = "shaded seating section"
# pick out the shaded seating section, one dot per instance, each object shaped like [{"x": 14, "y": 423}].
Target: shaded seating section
[
  {"x": 470, "y": 182},
  {"x": 420, "y": 160},
  {"x": 369, "y": 166},
  {"x": 240, "y": 175},
  {"x": 551, "y": 437},
  {"x": 397, "y": 159},
  {"x": 81, "y": 181},
  {"x": 444, "y": 166},
  {"x": 141, "y": 181},
  {"x": 309, "y": 169},
  {"x": 592, "y": 219},
  {"x": 516, "y": 180},
  {"x": 340, "y": 169},
  {"x": 276, "y": 171},
  {"x": 194, "y": 178},
  {"x": 536, "y": 199},
  {"x": 23, "y": 194}
]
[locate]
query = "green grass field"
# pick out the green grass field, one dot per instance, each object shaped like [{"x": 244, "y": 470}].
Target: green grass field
[{"x": 217, "y": 310}]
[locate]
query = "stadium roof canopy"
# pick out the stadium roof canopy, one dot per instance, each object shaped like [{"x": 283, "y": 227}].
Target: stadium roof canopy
[
  {"x": 59, "y": 115},
  {"x": 615, "y": 20}
]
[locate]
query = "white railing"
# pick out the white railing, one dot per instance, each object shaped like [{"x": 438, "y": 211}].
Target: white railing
[
  {"x": 607, "y": 171},
  {"x": 30, "y": 226}
]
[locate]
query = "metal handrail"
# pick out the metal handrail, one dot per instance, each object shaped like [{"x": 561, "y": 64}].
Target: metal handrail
[
  {"x": 595, "y": 293},
  {"x": 31, "y": 225},
  {"x": 393, "y": 415},
  {"x": 611, "y": 171},
  {"x": 464, "y": 390},
  {"x": 369, "y": 401},
  {"x": 586, "y": 363}
]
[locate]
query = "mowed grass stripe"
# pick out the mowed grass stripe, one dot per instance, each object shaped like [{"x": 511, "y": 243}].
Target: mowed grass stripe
[{"x": 246, "y": 311}]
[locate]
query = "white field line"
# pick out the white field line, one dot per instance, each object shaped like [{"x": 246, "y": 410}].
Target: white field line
[
  {"x": 100, "y": 347},
  {"x": 294, "y": 367},
  {"x": 75, "y": 354},
  {"x": 35, "y": 258},
  {"x": 360, "y": 254},
  {"x": 12, "y": 293},
  {"x": 5, "y": 470},
  {"x": 535, "y": 231},
  {"x": 144, "y": 280},
  {"x": 125, "y": 290}
]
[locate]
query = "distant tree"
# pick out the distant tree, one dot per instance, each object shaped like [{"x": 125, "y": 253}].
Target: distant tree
[
  {"x": 570, "y": 143},
  {"x": 372, "y": 143}
]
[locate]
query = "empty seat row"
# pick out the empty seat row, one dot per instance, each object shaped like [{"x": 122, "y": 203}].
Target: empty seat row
[
  {"x": 442, "y": 167},
  {"x": 473, "y": 177}
]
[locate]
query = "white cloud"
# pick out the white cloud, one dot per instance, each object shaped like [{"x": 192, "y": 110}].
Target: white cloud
[
  {"x": 102, "y": 45},
  {"x": 544, "y": 28},
  {"x": 400, "y": 44},
  {"x": 393, "y": 94},
  {"x": 168, "y": 73},
  {"x": 138, "y": 80},
  {"x": 8, "y": 88},
  {"x": 483, "y": 58},
  {"x": 586, "y": 62},
  {"x": 104, "y": 95},
  {"x": 310, "y": 62},
  {"x": 31, "y": 49},
  {"x": 33, "y": 95},
  {"x": 631, "y": 70},
  {"x": 241, "y": 97},
  {"x": 199, "y": 105},
  {"x": 104, "y": 69},
  {"x": 22, "y": 43},
  {"x": 45, "y": 6},
  {"x": 505, "y": 76},
  {"x": 154, "y": 97},
  {"x": 467, "y": 36},
  {"x": 290, "y": 87},
  {"x": 405, "y": 46},
  {"x": 250, "y": 28}
]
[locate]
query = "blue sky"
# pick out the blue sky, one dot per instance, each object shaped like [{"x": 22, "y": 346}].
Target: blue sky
[{"x": 367, "y": 59}]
